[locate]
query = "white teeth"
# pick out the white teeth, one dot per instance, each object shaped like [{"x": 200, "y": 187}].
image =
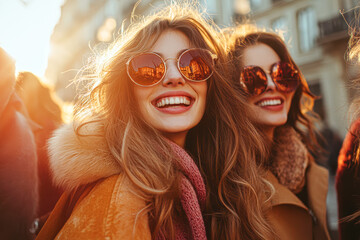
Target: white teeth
[
  {"x": 269, "y": 103},
  {"x": 168, "y": 101},
  {"x": 177, "y": 100}
]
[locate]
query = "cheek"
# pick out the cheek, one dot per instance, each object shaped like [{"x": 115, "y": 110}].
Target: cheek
[
  {"x": 253, "y": 108},
  {"x": 289, "y": 99},
  {"x": 202, "y": 90},
  {"x": 141, "y": 97},
  {"x": 252, "y": 100}
]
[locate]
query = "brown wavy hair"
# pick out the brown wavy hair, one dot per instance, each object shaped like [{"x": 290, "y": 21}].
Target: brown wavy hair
[
  {"x": 224, "y": 139},
  {"x": 300, "y": 115}
]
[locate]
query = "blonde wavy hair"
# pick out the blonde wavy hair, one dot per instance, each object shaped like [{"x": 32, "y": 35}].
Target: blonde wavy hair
[{"x": 224, "y": 139}]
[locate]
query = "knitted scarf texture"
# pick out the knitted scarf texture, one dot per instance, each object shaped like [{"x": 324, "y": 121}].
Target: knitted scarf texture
[{"x": 193, "y": 195}]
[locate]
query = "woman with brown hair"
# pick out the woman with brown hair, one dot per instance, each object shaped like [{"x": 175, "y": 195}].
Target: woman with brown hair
[
  {"x": 280, "y": 98},
  {"x": 159, "y": 109}
]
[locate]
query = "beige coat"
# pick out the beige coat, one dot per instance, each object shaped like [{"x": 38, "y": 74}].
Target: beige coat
[{"x": 289, "y": 215}]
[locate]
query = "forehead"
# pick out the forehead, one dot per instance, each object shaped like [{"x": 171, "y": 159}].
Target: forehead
[
  {"x": 261, "y": 55},
  {"x": 171, "y": 42}
]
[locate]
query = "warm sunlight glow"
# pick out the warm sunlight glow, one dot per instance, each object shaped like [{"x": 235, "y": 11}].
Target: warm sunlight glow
[
  {"x": 105, "y": 32},
  {"x": 242, "y": 6},
  {"x": 25, "y": 30}
]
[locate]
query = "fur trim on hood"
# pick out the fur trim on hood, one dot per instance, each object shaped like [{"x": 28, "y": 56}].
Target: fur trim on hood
[{"x": 77, "y": 160}]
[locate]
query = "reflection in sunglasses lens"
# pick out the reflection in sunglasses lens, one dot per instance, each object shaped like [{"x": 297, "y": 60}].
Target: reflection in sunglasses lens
[
  {"x": 254, "y": 79},
  {"x": 146, "y": 69},
  {"x": 286, "y": 77},
  {"x": 193, "y": 65}
]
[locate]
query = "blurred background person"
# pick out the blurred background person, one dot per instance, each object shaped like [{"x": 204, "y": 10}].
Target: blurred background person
[
  {"x": 18, "y": 161},
  {"x": 348, "y": 172},
  {"x": 45, "y": 110},
  {"x": 331, "y": 144}
]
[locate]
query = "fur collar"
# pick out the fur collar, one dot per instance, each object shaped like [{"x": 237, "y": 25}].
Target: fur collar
[
  {"x": 75, "y": 160},
  {"x": 289, "y": 158}
]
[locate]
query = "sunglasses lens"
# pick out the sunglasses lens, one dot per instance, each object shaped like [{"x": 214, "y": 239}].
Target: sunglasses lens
[
  {"x": 286, "y": 77},
  {"x": 253, "y": 79},
  {"x": 146, "y": 69},
  {"x": 195, "y": 64}
]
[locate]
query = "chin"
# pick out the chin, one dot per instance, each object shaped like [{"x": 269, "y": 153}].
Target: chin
[
  {"x": 273, "y": 122},
  {"x": 174, "y": 129},
  {"x": 279, "y": 123}
]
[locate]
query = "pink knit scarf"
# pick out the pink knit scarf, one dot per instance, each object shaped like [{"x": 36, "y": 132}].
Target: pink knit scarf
[{"x": 193, "y": 195}]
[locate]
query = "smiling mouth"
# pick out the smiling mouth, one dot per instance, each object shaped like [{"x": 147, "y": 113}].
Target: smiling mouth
[
  {"x": 173, "y": 101},
  {"x": 269, "y": 102}
]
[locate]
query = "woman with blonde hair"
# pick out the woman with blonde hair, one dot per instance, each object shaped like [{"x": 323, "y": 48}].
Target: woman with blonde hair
[
  {"x": 159, "y": 109},
  {"x": 280, "y": 98}
]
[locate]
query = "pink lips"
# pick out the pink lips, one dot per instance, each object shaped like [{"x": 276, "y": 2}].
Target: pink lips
[
  {"x": 271, "y": 103},
  {"x": 175, "y": 109}
]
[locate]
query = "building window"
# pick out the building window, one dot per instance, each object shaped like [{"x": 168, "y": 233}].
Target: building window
[
  {"x": 279, "y": 25},
  {"x": 211, "y": 8},
  {"x": 307, "y": 29}
]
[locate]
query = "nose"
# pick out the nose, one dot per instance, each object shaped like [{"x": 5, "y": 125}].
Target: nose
[
  {"x": 270, "y": 83},
  {"x": 173, "y": 77}
]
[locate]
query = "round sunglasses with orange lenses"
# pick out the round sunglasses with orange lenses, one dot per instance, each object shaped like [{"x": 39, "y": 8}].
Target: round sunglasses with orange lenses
[
  {"x": 254, "y": 79},
  {"x": 148, "y": 69}
]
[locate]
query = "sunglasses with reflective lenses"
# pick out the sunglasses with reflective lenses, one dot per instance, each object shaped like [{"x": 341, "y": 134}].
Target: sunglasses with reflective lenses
[
  {"x": 148, "y": 69},
  {"x": 254, "y": 80}
]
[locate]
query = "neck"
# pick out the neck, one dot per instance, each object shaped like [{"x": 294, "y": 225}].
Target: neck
[
  {"x": 178, "y": 138},
  {"x": 269, "y": 132}
]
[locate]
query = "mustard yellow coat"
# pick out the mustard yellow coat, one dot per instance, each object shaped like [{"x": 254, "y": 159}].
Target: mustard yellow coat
[
  {"x": 97, "y": 202},
  {"x": 106, "y": 210}
]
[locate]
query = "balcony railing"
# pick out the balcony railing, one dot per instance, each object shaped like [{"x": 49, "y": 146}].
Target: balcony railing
[{"x": 337, "y": 27}]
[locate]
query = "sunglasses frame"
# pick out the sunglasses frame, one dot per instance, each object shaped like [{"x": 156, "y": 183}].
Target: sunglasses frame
[
  {"x": 212, "y": 55},
  {"x": 267, "y": 81}
]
